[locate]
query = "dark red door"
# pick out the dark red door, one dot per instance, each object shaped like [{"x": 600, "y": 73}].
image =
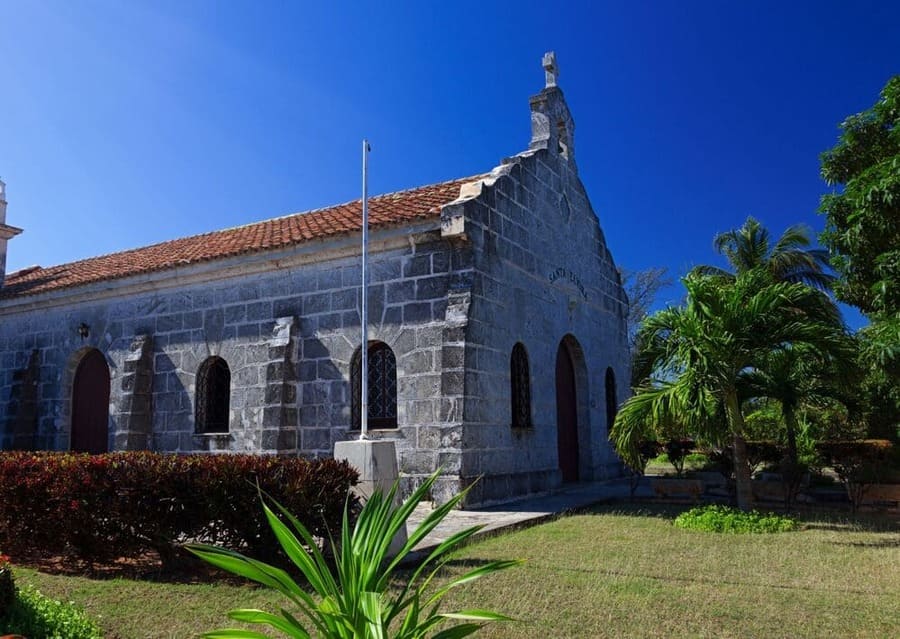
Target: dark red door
[
  {"x": 90, "y": 404},
  {"x": 566, "y": 415}
]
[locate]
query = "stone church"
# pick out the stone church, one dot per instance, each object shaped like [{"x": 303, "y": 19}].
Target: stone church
[{"x": 496, "y": 321}]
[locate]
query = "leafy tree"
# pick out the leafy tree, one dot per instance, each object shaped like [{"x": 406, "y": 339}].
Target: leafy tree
[
  {"x": 863, "y": 231},
  {"x": 880, "y": 346},
  {"x": 879, "y": 390},
  {"x": 790, "y": 259},
  {"x": 863, "y": 217},
  {"x": 699, "y": 351}
]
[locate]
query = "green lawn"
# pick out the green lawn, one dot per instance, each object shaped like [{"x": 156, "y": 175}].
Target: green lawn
[{"x": 615, "y": 572}]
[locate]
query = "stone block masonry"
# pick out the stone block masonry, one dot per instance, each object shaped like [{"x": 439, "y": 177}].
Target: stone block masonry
[{"x": 287, "y": 336}]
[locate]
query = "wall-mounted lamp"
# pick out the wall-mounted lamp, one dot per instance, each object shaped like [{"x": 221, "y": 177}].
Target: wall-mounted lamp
[{"x": 84, "y": 330}]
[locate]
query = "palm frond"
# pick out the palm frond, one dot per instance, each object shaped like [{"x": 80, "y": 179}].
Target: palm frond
[{"x": 354, "y": 599}]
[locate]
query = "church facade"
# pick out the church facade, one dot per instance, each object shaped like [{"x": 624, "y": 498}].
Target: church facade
[{"x": 497, "y": 332}]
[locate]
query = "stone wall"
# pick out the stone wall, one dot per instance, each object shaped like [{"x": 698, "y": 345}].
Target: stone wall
[
  {"x": 22, "y": 408},
  {"x": 288, "y": 336},
  {"x": 542, "y": 274}
]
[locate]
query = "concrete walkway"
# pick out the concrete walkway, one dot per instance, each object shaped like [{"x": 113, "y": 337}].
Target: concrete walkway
[{"x": 529, "y": 511}]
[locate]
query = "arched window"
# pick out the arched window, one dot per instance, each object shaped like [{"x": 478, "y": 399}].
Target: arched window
[
  {"x": 520, "y": 387},
  {"x": 213, "y": 398},
  {"x": 612, "y": 406},
  {"x": 382, "y": 387}
]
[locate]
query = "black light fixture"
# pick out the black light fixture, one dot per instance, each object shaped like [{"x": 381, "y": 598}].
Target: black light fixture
[{"x": 84, "y": 330}]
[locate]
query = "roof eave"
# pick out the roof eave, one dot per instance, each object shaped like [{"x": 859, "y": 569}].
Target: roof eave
[{"x": 245, "y": 264}]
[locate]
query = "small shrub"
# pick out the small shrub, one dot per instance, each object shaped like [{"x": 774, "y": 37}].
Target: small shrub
[
  {"x": 677, "y": 450},
  {"x": 759, "y": 453},
  {"x": 7, "y": 586},
  {"x": 723, "y": 519},
  {"x": 36, "y": 617},
  {"x": 647, "y": 450},
  {"x": 859, "y": 464}
]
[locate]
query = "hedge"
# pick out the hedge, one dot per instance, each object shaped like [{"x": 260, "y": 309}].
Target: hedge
[{"x": 98, "y": 508}]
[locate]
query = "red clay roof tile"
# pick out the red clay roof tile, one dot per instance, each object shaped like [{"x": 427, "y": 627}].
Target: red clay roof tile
[{"x": 384, "y": 210}]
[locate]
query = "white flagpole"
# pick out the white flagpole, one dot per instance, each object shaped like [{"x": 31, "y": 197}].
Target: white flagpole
[{"x": 364, "y": 316}]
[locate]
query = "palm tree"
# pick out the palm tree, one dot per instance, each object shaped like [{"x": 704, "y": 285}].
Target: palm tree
[
  {"x": 789, "y": 260},
  {"x": 799, "y": 375},
  {"x": 699, "y": 351}
]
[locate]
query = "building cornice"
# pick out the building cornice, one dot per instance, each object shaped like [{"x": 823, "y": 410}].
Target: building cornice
[{"x": 222, "y": 270}]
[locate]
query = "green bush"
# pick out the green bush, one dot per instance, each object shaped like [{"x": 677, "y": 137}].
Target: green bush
[
  {"x": 38, "y": 617},
  {"x": 7, "y": 586},
  {"x": 723, "y": 519}
]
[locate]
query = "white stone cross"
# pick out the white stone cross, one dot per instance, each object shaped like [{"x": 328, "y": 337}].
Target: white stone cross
[{"x": 551, "y": 71}]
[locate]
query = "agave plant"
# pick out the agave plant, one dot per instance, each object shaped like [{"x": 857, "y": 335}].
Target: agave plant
[{"x": 361, "y": 595}]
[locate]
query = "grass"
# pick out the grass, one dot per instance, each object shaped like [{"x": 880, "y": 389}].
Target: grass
[
  {"x": 128, "y": 609},
  {"x": 612, "y": 572},
  {"x": 662, "y": 466}
]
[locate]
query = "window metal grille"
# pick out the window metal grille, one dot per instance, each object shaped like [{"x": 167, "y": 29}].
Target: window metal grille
[
  {"x": 612, "y": 407},
  {"x": 213, "y": 396},
  {"x": 520, "y": 381},
  {"x": 382, "y": 387}
]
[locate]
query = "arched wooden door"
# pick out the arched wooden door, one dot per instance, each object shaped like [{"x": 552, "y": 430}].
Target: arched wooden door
[
  {"x": 90, "y": 404},
  {"x": 566, "y": 415}
]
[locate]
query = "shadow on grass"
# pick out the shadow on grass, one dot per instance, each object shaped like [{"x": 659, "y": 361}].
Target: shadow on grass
[
  {"x": 187, "y": 570},
  {"x": 456, "y": 566},
  {"x": 809, "y": 520},
  {"x": 841, "y": 522},
  {"x": 881, "y": 543},
  {"x": 627, "y": 509}
]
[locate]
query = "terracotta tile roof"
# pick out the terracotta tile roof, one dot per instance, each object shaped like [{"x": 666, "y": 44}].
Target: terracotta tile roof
[{"x": 384, "y": 210}]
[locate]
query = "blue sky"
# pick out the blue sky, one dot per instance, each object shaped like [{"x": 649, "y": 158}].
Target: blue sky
[{"x": 128, "y": 123}]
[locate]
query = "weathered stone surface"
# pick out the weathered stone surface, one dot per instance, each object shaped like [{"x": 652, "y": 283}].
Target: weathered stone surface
[{"x": 23, "y": 416}]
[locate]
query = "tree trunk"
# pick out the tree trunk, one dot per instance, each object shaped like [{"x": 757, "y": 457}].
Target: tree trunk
[
  {"x": 742, "y": 479},
  {"x": 791, "y": 473},
  {"x": 790, "y": 422}
]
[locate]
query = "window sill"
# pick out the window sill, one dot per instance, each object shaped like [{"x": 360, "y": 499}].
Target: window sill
[{"x": 376, "y": 433}]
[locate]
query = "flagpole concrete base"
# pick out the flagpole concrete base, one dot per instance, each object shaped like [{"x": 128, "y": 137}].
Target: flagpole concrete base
[{"x": 376, "y": 462}]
